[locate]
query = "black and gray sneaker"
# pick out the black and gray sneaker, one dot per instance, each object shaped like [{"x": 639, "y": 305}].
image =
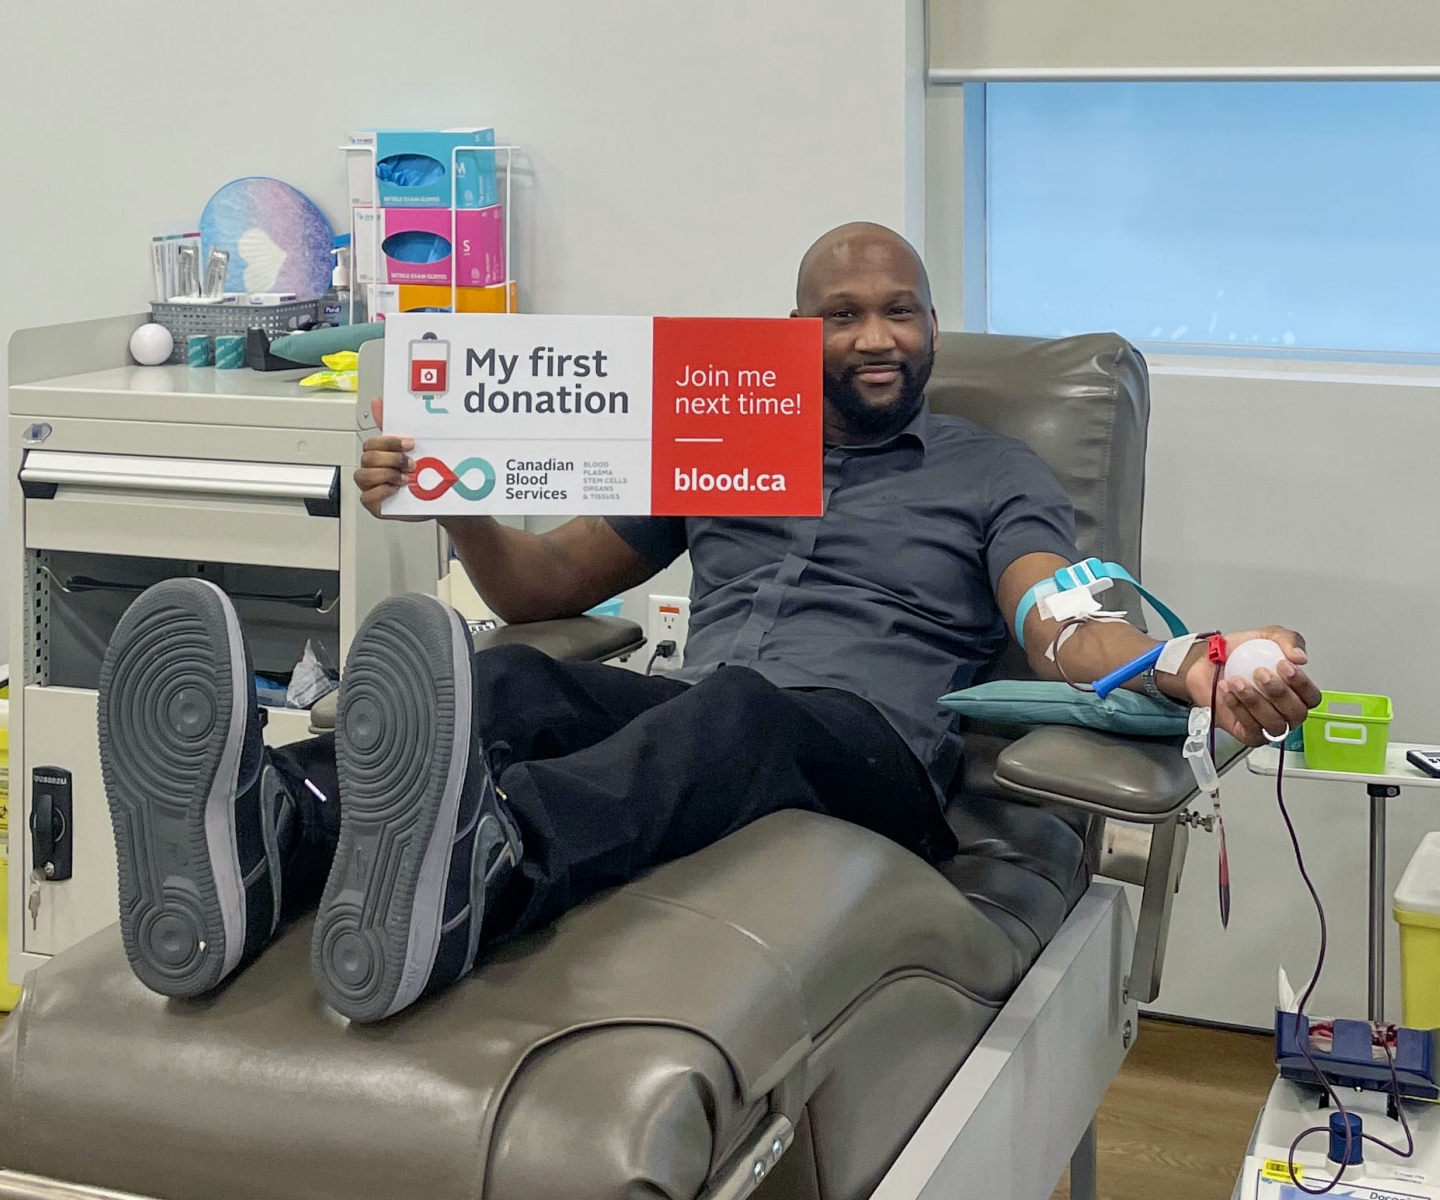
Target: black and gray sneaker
[
  {"x": 193, "y": 800},
  {"x": 425, "y": 839}
]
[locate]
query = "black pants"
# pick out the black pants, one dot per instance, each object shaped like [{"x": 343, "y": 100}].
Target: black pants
[{"x": 608, "y": 773}]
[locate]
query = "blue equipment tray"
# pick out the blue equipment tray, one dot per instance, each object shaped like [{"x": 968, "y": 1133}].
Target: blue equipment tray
[{"x": 1351, "y": 1062}]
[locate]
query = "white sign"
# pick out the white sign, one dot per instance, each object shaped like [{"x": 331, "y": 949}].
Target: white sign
[{"x": 519, "y": 413}]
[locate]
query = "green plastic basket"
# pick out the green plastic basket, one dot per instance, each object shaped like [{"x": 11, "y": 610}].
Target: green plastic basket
[{"x": 1349, "y": 731}]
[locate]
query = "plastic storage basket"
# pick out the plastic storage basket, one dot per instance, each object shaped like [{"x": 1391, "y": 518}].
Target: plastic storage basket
[
  {"x": 1417, "y": 912},
  {"x": 1349, "y": 731},
  {"x": 184, "y": 320}
]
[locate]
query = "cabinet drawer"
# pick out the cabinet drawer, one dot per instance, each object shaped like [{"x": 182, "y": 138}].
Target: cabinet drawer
[
  {"x": 263, "y": 513},
  {"x": 59, "y": 731}
]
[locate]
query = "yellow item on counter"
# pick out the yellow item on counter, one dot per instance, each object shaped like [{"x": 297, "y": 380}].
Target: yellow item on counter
[
  {"x": 1417, "y": 912},
  {"x": 343, "y": 375},
  {"x": 9, "y": 993}
]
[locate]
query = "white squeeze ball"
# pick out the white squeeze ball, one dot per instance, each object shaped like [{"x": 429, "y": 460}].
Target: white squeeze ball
[
  {"x": 151, "y": 345},
  {"x": 1249, "y": 657}
]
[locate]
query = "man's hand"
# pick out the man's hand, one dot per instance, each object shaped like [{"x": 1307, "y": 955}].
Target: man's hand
[
  {"x": 1274, "y": 703},
  {"x": 385, "y": 467}
]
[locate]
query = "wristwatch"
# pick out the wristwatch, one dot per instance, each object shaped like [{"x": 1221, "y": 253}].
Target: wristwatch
[{"x": 1152, "y": 689}]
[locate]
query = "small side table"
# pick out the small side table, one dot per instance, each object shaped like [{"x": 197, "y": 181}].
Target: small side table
[{"x": 1382, "y": 787}]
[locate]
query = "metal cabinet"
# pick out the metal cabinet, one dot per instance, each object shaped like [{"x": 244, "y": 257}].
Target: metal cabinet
[{"x": 121, "y": 476}]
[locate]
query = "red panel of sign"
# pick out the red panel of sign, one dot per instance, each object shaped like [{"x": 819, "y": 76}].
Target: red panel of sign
[{"x": 738, "y": 417}]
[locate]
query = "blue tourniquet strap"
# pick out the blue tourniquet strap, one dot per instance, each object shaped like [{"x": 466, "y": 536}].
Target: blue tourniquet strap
[{"x": 1082, "y": 574}]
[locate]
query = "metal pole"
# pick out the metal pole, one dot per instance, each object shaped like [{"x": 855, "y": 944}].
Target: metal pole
[
  {"x": 1379, "y": 793},
  {"x": 1084, "y": 1168}
]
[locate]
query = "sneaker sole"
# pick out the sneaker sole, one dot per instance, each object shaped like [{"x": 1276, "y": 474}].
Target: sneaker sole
[
  {"x": 172, "y": 710},
  {"x": 404, "y": 695}
]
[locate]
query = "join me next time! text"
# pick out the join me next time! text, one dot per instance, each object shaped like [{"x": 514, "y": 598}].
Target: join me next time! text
[{"x": 622, "y": 415}]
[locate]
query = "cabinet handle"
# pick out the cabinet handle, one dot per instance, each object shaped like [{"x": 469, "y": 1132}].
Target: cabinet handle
[{"x": 43, "y": 471}]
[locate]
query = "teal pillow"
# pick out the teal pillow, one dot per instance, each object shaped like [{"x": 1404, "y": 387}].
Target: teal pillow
[
  {"x": 1037, "y": 702},
  {"x": 311, "y": 347}
]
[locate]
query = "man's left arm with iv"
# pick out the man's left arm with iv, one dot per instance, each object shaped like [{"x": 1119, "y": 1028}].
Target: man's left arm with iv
[
  {"x": 1029, "y": 537},
  {"x": 1275, "y": 702}
]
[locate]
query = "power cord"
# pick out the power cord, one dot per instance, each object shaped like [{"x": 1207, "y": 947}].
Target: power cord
[
  {"x": 1379, "y": 1028},
  {"x": 1218, "y": 656},
  {"x": 665, "y": 649}
]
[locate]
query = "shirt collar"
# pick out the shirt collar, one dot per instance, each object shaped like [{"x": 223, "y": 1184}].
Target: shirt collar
[
  {"x": 917, "y": 431},
  {"x": 919, "y": 427}
]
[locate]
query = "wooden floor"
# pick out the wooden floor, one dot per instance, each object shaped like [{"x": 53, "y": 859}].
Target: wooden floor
[{"x": 1176, "y": 1122}]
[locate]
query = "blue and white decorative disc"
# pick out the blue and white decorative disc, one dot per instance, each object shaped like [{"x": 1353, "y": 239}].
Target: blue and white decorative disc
[{"x": 278, "y": 240}]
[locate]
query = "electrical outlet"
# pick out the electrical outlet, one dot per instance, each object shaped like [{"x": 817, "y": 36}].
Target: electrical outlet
[{"x": 669, "y": 621}]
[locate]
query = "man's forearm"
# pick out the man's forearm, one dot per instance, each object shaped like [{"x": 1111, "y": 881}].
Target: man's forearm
[
  {"x": 1263, "y": 705},
  {"x": 521, "y": 575},
  {"x": 1096, "y": 648}
]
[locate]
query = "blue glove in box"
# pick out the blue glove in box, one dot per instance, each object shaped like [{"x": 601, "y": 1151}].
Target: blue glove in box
[{"x": 412, "y": 168}]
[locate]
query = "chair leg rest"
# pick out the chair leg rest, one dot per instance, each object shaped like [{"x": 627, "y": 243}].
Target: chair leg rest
[{"x": 1050, "y": 1055}]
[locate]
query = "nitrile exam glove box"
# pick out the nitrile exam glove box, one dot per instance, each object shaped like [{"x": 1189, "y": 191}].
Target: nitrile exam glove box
[{"x": 411, "y": 168}]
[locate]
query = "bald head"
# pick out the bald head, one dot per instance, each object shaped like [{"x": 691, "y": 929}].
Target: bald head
[
  {"x": 863, "y": 250},
  {"x": 869, "y": 287}
]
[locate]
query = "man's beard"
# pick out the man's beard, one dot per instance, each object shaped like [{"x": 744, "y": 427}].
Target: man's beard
[{"x": 878, "y": 420}]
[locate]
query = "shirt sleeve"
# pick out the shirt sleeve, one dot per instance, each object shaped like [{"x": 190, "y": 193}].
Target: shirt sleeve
[
  {"x": 1029, "y": 513},
  {"x": 659, "y": 540}
]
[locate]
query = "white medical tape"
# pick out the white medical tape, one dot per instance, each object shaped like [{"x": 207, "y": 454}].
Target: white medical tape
[
  {"x": 1066, "y": 606},
  {"x": 1173, "y": 656}
]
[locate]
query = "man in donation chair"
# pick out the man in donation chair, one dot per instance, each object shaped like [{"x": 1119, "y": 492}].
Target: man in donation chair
[{"x": 464, "y": 797}]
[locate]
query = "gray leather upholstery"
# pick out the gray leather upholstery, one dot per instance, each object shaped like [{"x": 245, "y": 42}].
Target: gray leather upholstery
[
  {"x": 1135, "y": 779},
  {"x": 626, "y": 1051},
  {"x": 1082, "y": 404},
  {"x": 573, "y": 639},
  {"x": 637, "y": 1039},
  {"x": 322, "y": 712}
]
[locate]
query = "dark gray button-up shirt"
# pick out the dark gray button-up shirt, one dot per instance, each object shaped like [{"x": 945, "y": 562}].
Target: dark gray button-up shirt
[{"x": 891, "y": 593}]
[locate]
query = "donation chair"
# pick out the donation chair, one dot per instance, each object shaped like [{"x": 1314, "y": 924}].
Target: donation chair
[{"x": 804, "y": 1011}]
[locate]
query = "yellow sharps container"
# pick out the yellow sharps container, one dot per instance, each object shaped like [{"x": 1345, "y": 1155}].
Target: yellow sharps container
[
  {"x": 9, "y": 993},
  {"x": 1417, "y": 912}
]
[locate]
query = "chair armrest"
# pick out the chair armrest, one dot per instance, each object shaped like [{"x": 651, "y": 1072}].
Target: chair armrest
[
  {"x": 1141, "y": 780},
  {"x": 570, "y": 639},
  {"x": 322, "y": 712},
  {"x": 1133, "y": 779}
]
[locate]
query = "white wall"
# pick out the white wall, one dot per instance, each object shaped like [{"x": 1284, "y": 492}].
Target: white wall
[
  {"x": 1306, "y": 496},
  {"x": 680, "y": 154},
  {"x": 1291, "y": 492}
]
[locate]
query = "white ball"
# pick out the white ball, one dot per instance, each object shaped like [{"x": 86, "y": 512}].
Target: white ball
[
  {"x": 1249, "y": 657},
  {"x": 151, "y": 345}
]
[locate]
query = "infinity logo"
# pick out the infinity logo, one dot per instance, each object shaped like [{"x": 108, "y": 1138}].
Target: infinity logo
[{"x": 453, "y": 479}]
